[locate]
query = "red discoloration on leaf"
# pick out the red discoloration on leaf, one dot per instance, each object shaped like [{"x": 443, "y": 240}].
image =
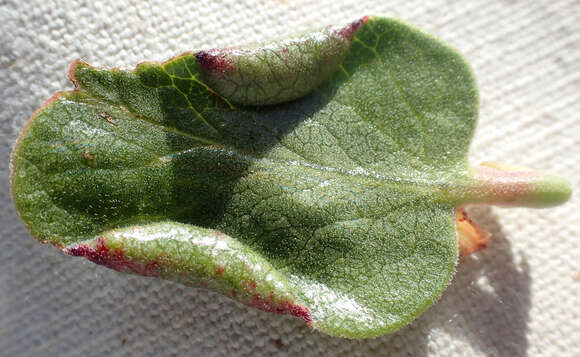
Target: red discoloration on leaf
[
  {"x": 271, "y": 304},
  {"x": 281, "y": 306},
  {"x": 219, "y": 270},
  {"x": 470, "y": 236},
  {"x": 348, "y": 31},
  {"x": 71, "y": 71},
  {"x": 249, "y": 285},
  {"x": 113, "y": 259},
  {"x": 510, "y": 185},
  {"x": 215, "y": 60},
  {"x": 490, "y": 172}
]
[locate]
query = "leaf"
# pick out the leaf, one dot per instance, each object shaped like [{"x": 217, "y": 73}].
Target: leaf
[{"x": 318, "y": 176}]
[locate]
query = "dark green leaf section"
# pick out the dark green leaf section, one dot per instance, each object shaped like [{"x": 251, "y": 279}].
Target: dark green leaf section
[{"x": 342, "y": 192}]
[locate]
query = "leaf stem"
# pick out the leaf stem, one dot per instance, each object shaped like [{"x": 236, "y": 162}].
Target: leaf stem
[{"x": 507, "y": 185}]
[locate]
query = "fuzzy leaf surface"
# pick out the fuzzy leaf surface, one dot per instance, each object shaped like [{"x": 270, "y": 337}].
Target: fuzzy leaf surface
[{"x": 315, "y": 176}]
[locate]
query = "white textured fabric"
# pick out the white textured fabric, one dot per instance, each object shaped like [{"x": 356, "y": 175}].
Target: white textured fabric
[{"x": 519, "y": 297}]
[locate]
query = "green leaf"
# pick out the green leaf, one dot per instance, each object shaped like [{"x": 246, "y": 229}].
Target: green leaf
[{"x": 318, "y": 176}]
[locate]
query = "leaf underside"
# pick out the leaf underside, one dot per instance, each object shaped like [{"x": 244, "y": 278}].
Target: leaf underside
[{"x": 307, "y": 177}]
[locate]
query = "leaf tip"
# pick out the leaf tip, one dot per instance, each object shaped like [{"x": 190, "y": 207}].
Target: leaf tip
[{"x": 552, "y": 190}]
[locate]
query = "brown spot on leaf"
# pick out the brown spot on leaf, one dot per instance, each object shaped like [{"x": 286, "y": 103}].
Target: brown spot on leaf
[
  {"x": 87, "y": 155},
  {"x": 249, "y": 285},
  {"x": 106, "y": 116},
  {"x": 219, "y": 270},
  {"x": 89, "y": 158}
]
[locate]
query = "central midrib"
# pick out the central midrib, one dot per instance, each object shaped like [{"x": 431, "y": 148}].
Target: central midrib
[
  {"x": 410, "y": 182},
  {"x": 372, "y": 177}
]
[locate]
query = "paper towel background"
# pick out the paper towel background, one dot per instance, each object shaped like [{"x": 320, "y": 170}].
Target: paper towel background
[{"x": 520, "y": 297}]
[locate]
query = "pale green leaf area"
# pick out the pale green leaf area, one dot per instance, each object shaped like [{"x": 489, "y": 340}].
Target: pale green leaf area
[{"x": 317, "y": 176}]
